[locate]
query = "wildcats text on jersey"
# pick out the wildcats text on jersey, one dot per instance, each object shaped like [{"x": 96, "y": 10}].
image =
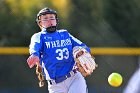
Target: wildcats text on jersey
[{"x": 58, "y": 43}]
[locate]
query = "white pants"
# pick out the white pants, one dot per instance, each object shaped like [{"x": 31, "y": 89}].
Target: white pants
[
  {"x": 134, "y": 83},
  {"x": 73, "y": 84}
]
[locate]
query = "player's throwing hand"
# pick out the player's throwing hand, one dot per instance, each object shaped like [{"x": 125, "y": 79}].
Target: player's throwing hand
[{"x": 32, "y": 61}]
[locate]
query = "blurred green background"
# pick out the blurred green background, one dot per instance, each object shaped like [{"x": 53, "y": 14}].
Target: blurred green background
[{"x": 98, "y": 23}]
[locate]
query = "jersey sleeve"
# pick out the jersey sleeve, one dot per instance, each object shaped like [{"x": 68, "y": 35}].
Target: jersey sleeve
[
  {"x": 76, "y": 42},
  {"x": 35, "y": 45}
]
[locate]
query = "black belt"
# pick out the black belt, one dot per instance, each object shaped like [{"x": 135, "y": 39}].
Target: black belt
[{"x": 60, "y": 79}]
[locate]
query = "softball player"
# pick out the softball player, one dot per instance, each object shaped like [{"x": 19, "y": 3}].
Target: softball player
[{"x": 52, "y": 49}]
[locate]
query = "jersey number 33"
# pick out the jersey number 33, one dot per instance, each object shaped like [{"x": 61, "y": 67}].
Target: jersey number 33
[{"x": 62, "y": 54}]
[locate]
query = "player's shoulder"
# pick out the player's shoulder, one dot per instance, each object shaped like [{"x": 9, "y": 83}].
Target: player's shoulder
[{"x": 36, "y": 35}]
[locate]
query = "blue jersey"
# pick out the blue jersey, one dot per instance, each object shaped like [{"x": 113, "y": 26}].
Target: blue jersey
[{"x": 55, "y": 51}]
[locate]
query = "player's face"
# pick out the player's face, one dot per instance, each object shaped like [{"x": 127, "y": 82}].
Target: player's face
[{"x": 47, "y": 20}]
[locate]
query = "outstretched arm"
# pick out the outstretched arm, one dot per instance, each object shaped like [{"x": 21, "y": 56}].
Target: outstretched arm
[
  {"x": 35, "y": 50},
  {"x": 34, "y": 58}
]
